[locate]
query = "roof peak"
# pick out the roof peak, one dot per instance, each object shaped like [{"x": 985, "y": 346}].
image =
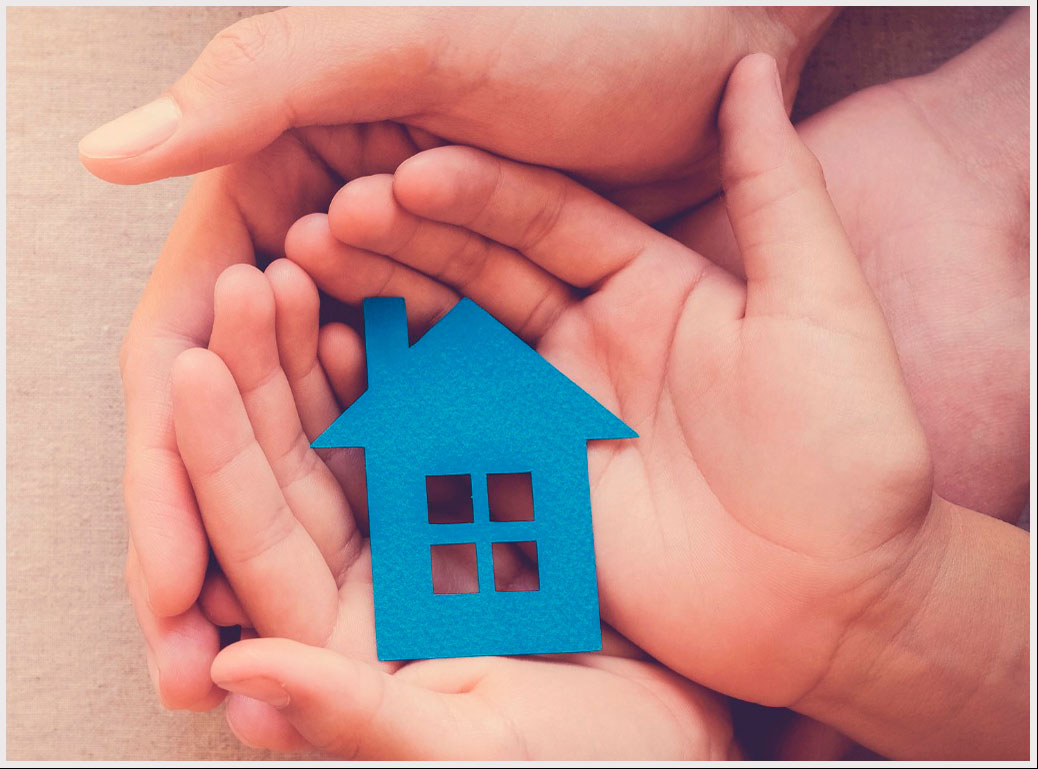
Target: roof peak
[{"x": 467, "y": 366}]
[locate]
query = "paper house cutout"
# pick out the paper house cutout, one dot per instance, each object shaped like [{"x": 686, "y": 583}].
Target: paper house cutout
[{"x": 471, "y": 398}]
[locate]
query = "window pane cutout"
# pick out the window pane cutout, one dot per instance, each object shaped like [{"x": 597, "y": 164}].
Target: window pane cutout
[
  {"x": 454, "y": 568},
  {"x": 449, "y": 498},
  {"x": 515, "y": 566},
  {"x": 510, "y": 496}
]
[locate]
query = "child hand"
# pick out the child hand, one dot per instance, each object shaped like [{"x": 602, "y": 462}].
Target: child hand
[
  {"x": 781, "y": 482},
  {"x": 298, "y": 562}
]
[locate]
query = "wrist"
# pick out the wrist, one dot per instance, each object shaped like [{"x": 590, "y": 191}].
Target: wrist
[{"x": 938, "y": 666}]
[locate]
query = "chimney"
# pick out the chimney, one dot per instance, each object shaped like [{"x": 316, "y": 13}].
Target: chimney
[{"x": 385, "y": 336}]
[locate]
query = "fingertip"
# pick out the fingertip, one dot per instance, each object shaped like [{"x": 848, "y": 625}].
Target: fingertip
[
  {"x": 173, "y": 591},
  {"x": 341, "y": 353},
  {"x": 203, "y": 390},
  {"x": 210, "y": 701},
  {"x": 183, "y": 653},
  {"x": 307, "y": 239},
  {"x": 363, "y": 209},
  {"x": 249, "y": 658},
  {"x": 754, "y": 82},
  {"x": 195, "y": 368},
  {"x": 293, "y": 288},
  {"x": 243, "y": 294},
  {"x": 431, "y": 181},
  {"x": 167, "y": 583},
  {"x": 752, "y": 119},
  {"x": 259, "y": 725}
]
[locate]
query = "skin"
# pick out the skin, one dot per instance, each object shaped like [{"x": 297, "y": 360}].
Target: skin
[
  {"x": 930, "y": 178},
  {"x": 287, "y": 540},
  {"x": 776, "y": 430},
  {"x": 947, "y": 256},
  {"x": 314, "y": 97}
]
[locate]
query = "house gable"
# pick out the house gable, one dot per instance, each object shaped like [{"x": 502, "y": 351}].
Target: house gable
[{"x": 469, "y": 378}]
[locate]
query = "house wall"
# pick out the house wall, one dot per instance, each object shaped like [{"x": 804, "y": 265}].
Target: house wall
[{"x": 412, "y": 621}]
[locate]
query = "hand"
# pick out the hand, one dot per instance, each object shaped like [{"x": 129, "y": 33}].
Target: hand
[
  {"x": 232, "y": 215},
  {"x": 781, "y": 487},
  {"x": 284, "y": 533},
  {"x": 930, "y": 176},
  {"x": 623, "y": 97},
  {"x": 282, "y": 104}
]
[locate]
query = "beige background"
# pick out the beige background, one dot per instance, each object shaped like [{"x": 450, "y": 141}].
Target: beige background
[{"x": 79, "y": 252}]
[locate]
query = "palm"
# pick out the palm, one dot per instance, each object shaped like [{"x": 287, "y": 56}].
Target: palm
[
  {"x": 638, "y": 708},
  {"x": 691, "y": 502}
]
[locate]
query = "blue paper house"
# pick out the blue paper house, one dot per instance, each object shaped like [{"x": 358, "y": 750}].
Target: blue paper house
[{"x": 471, "y": 399}]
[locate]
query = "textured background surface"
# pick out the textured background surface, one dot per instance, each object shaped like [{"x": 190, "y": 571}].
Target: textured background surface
[{"x": 79, "y": 252}]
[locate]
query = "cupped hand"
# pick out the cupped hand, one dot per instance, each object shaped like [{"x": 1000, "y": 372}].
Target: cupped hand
[
  {"x": 929, "y": 176},
  {"x": 287, "y": 105},
  {"x": 235, "y": 214},
  {"x": 781, "y": 480},
  {"x": 300, "y": 567},
  {"x": 623, "y": 97}
]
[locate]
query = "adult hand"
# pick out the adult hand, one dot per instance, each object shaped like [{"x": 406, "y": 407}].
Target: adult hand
[
  {"x": 282, "y": 104},
  {"x": 287, "y": 539},
  {"x": 778, "y": 507},
  {"x": 623, "y": 97},
  {"x": 930, "y": 178}
]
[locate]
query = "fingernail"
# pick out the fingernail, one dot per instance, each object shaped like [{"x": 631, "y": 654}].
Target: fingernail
[
  {"x": 133, "y": 133},
  {"x": 264, "y": 689}
]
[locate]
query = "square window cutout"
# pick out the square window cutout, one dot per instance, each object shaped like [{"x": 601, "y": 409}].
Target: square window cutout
[
  {"x": 449, "y": 498},
  {"x": 510, "y": 496},
  {"x": 515, "y": 566},
  {"x": 454, "y": 568}
]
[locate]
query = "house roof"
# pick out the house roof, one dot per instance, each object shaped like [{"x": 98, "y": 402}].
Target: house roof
[{"x": 467, "y": 375}]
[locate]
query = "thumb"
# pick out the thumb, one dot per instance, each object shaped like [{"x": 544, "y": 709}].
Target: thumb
[
  {"x": 265, "y": 74},
  {"x": 796, "y": 255},
  {"x": 348, "y": 708}
]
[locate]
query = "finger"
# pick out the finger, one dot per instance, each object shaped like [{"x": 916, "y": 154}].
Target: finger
[
  {"x": 175, "y": 314},
  {"x": 219, "y": 603},
  {"x": 524, "y": 297},
  {"x": 352, "y": 274},
  {"x": 180, "y": 649},
  {"x": 297, "y": 326},
  {"x": 351, "y": 709},
  {"x": 259, "y": 725},
  {"x": 265, "y": 74},
  {"x": 296, "y": 319},
  {"x": 341, "y": 352},
  {"x": 244, "y": 338},
  {"x": 566, "y": 229},
  {"x": 276, "y": 570},
  {"x": 795, "y": 253}
]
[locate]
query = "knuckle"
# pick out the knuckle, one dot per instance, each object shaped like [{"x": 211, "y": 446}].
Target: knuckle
[
  {"x": 805, "y": 167},
  {"x": 465, "y": 266},
  {"x": 240, "y": 48},
  {"x": 546, "y": 217}
]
